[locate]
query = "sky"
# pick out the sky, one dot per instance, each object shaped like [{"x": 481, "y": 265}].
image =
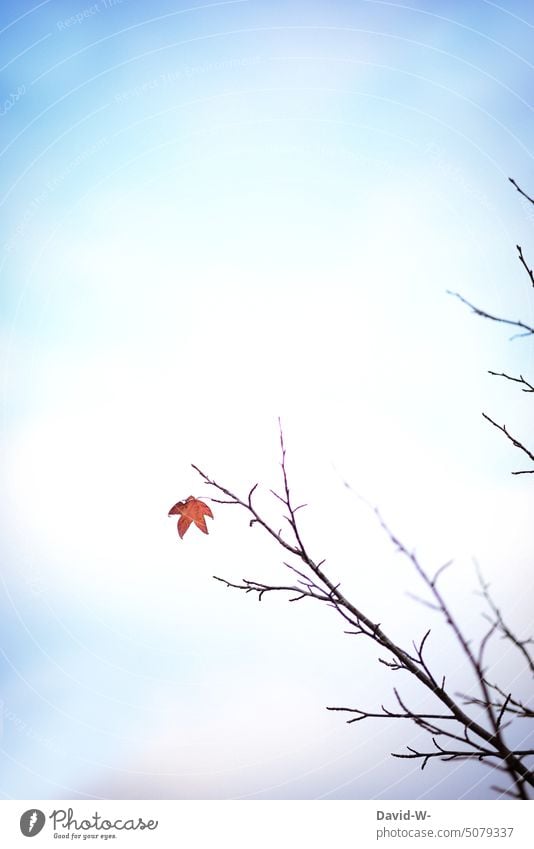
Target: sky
[{"x": 214, "y": 216}]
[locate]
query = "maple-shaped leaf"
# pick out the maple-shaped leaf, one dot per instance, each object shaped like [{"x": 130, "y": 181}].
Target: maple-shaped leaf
[{"x": 191, "y": 510}]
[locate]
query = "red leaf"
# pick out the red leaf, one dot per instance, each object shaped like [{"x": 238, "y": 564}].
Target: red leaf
[{"x": 191, "y": 510}]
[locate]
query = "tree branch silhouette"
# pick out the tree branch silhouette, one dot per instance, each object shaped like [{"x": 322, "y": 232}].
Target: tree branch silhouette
[
  {"x": 461, "y": 726},
  {"x": 526, "y": 327},
  {"x": 515, "y": 442},
  {"x": 455, "y": 734},
  {"x": 525, "y": 384}
]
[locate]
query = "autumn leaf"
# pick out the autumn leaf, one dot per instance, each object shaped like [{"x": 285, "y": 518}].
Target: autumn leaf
[{"x": 191, "y": 510}]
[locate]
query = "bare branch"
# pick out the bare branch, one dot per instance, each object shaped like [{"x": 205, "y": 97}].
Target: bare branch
[
  {"x": 312, "y": 582},
  {"x": 513, "y": 440},
  {"x": 514, "y": 706},
  {"x": 519, "y": 379},
  {"x": 522, "y": 326},
  {"x": 235, "y": 500},
  {"x": 260, "y": 589},
  {"x": 461, "y": 727},
  {"x": 440, "y": 571},
  {"x": 499, "y": 622},
  {"x": 524, "y": 264},
  {"x": 521, "y": 192}
]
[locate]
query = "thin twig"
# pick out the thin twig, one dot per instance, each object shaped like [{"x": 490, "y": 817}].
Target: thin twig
[
  {"x": 526, "y": 327},
  {"x": 519, "y": 379},
  {"x": 521, "y": 645},
  {"x": 520, "y": 190},
  {"x": 524, "y": 264},
  {"x": 313, "y": 582},
  {"x": 514, "y": 441}
]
